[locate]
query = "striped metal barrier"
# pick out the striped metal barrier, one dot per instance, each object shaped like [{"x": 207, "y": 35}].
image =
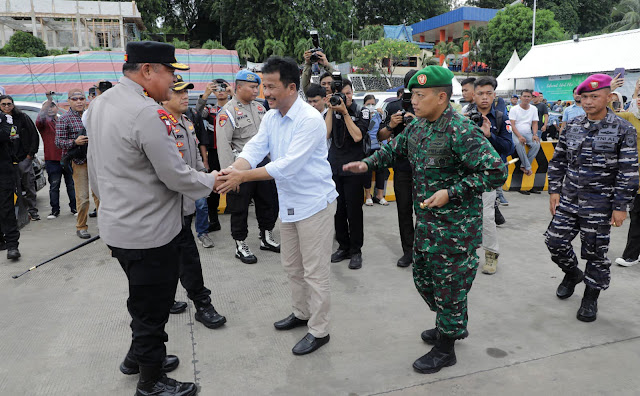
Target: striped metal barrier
[{"x": 517, "y": 180}]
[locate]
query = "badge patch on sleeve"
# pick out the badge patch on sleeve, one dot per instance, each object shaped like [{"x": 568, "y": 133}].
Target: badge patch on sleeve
[
  {"x": 223, "y": 120},
  {"x": 164, "y": 116}
]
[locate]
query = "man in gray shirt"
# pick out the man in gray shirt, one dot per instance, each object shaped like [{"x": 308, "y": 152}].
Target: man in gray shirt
[{"x": 137, "y": 172}]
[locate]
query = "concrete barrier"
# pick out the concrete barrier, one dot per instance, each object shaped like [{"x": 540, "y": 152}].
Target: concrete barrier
[{"x": 517, "y": 180}]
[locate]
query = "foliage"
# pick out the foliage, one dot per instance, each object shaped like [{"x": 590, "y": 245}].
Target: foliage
[
  {"x": 56, "y": 52},
  {"x": 371, "y": 33},
  {"x": 348, "y": 50},
  {"x": 212, "y": 44},
  {"x": 511, "y": 29},
  {"x": 370, "y": 58},
  {"x": 273, "y": 47},
  {"x": 472, "y": 36},
  {"x": 495, "y": 4},
  {"x": 447, "y": 48},
  {"x": 25, "y": 43},
  {"x": 396, "y": 12},
  {"x": 626, "y": 16},
  {"x": 302, "y": 45},
  {"x": 578, "y": 16},
  {"x": 248, "y": 48},
  {"x": 180, "y": 44},
  {"x": 427, "y": 60}
]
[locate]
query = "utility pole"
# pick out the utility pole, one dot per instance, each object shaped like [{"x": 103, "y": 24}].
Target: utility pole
[{"x": 533, "y": 35}]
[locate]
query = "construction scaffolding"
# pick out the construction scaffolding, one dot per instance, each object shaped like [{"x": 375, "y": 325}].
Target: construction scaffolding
[{"x": 76, "y": 25}]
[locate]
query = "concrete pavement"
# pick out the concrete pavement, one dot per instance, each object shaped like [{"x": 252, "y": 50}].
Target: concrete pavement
[{"x": 65, "y": 327}]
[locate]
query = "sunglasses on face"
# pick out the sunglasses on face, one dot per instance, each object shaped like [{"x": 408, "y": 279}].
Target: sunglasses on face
[
  {"x": 77, "y": 98},
  {"x": 6, "y": 104}
]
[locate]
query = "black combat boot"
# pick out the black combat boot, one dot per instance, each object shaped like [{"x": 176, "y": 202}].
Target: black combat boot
[
  {"x": 208, "y": 316},
  {"x": 441, "y": 355},
  {"x": 568, "y": 284},
  {"x": 432, "y": 335},
  {"x": 129, "y": 365},
  {"x": 589, "y": 307},
  {"x": 153, "y": 382}
]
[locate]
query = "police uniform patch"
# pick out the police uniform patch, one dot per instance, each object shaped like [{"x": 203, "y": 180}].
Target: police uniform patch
[
  {"x": 164, "y": 116},
  {"x": 509, "y": 129},
  {"x": 365, "y": 114},
  {"x": 422, "y": 79},
  {"x": 260, "y": 108},
  {"x": 180, "y": 144},
  {"x": 239, "y": 113},
  {"x": 223, "y": 120},
  {"x": 630, "y": 140}
]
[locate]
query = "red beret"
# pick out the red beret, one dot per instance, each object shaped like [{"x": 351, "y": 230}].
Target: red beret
[{"x": 594, "y": 82}]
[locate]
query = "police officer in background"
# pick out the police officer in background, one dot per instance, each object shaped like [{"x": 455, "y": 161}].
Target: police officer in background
[
  {"x": 209, "y": 113},
  {"x": 593, "y": 178},
  {"x": 238, "y": 122},
  {"x": 138, "y": 173},
  {"x": 393, "y": 125},
  {"x": 190, "y": 267}
]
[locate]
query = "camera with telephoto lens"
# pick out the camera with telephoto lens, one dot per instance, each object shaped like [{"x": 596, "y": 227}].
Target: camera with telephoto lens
[
  {"x": 315, "y": 40},
  {"x": 336, "y": 88},
  {"x": 475, "y": 116}
]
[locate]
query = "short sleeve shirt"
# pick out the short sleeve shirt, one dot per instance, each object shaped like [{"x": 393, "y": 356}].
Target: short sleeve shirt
[{"x": 524, "y": 118}]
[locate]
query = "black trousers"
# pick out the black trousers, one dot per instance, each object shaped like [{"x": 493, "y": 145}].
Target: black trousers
[
  {"x": 348, "y": 218},
  {"x": 153, "y": 278},
  {"x": 213, "y": 201},
  {"x": 8, "y": 223},
  {"x": 632, "y": 251},
  {"x": 403, "y": 187},
  {"x": 265, "y": 197},
  {"x": 191, "y": 267}
]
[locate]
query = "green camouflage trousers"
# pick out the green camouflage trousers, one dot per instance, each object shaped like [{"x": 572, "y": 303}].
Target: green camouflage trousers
[{"x": 444, "y": 281}]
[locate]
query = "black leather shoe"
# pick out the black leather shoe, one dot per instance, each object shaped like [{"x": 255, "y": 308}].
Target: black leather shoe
[
  {"x": 13, "y": 254},
  {"x": 431, "y": 336},
  {"x": 209, "y": 317},
  {"x": 165, "y": 386},
  {"x": 524, "y": 192},
  {"x": 178, "y": 307},
  {"x": 309, "y": 344},
  {"x": 405, "y": 260},
  {"x": 129, "y": 366},
  {"x": 589, "y": 306},
  {"x": 356, "y": 261},
  {"x": 94, "y": 213},
  {"x": 435, "y": 360},
  {"x": 535, "y": 191},
  {"x": 340, "y": 255},
  {"x": 214, "y": 227},
  {"x": 568, "y": 284},
  {"x": 290, "y": 322}
]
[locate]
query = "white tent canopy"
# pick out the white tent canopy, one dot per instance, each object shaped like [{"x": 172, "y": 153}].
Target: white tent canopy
[
  {"x": 505, "y": 84},
  {"x": 587, "y": 55},
  {"x": 457, "y": 88}
]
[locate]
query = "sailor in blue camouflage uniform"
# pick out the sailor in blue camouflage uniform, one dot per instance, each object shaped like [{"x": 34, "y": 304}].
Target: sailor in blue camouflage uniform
[{"x": 593, "y": 178}]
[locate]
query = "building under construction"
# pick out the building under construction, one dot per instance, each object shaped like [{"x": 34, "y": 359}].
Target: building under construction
[{"x": 77, "y": 25}]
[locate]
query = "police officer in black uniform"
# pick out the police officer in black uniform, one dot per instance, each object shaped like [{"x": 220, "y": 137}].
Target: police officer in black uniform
[
  {"x": 346, "y": 127},
  {"x": 9, "y": 233},
  {"x": 393, "y": 125}
]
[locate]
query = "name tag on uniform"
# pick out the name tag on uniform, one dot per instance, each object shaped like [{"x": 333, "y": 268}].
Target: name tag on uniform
[{"x": 605, "y": 143}]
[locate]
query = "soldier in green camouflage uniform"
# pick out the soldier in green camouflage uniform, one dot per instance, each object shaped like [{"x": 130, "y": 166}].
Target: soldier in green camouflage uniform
[{"x": 453, "y": 164}]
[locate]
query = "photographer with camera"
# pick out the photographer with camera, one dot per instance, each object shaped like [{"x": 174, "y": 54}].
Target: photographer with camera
[
  {"x": 347, "y": 127},
  {"x": 493, "y": 124},
  {"x": 311, "y": 57},
  {"x": 71, "y": 137},
  {"x": 399, "y": 114}
]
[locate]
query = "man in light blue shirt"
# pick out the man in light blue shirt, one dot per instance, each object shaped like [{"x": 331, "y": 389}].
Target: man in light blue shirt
[
  {"x": 294, "y": 135},
  {"x": 572, "y": 111}
]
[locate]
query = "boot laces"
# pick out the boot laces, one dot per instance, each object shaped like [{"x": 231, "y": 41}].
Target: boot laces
[
  {"x": 244, "y": 248},
  {"x": 268, "y": 237}
]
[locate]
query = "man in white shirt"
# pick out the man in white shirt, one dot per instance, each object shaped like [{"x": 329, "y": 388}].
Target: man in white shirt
[
  {"x": 524, "y": 122},
  {"x": 293, "y": 134}
]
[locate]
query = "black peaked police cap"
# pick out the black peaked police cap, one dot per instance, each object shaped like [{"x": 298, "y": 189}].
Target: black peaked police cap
[{"x": 153, "y": 52}]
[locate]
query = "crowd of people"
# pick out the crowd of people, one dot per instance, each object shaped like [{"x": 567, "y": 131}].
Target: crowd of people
[{"x": 309, "y": 159}]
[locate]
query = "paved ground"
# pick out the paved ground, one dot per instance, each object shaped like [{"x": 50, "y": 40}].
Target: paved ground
[{"x": 65, "y": 325}]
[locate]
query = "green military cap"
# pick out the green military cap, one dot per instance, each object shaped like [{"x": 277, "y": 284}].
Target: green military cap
[{"x": 431, "y": 76}]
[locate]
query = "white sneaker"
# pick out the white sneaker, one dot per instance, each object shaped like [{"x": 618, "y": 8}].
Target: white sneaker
[
  {"x": 267, "y": 242},
  {"x": 627, "y": 262},
  {"x": 244, "y": 253}
]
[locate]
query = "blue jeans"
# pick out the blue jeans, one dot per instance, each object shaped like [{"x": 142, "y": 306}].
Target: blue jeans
[
  {"x": 202, "y": 217},
  {"x": 55, "y": 171}
]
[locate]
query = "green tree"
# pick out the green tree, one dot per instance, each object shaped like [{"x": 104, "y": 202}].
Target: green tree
[
  {"x": 273, "y": 47},
  {"x": 371, "y": 33},
  {"x": 348, "y": 49},
  {"x": 213, "y": 44},
  {"x": 302, "y": 45},
  {"x": 626, "y": 16},
  {"x": 578, "y": 16},
  {"x": 447, "y": 48},
  {"x": 511, "y": 29},
  {"x": 381, "y": 57},
  {"x": 396, "y": 12},
  {"x": 495, "y": 4},
  {"x": 248, "y": 48},
  {"x": 180, "y": 44},
  {"x": 25, "y": 43},
  {"x": 428, "y": 59},
  {"x": 472, "y": 36}
]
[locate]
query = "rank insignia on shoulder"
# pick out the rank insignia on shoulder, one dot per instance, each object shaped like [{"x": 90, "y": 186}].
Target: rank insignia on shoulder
[
  {"x": 260, "y": 108},
  {"x": 223, "y": 120},
  {"x": 164, "y": 116}
]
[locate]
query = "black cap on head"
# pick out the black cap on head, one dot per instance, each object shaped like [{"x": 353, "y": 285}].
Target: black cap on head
[
  {"x": 407, "y": 77},
  {"x": 153, "y": 52},
  {"x": 104, "y": 85}
]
